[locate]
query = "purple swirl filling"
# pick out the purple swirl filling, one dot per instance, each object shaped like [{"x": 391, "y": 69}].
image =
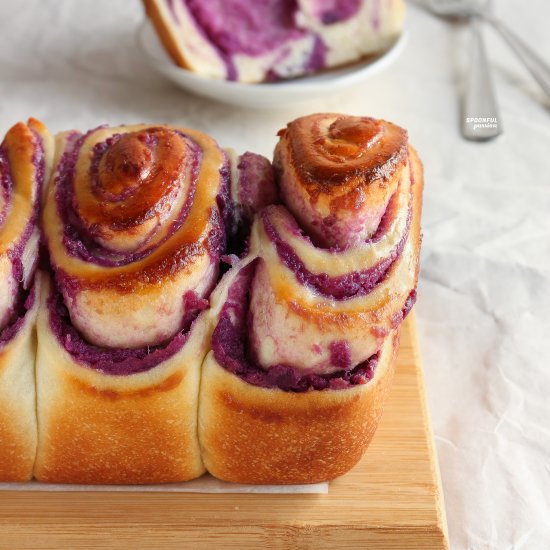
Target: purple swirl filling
[
  {"x": 119, "y": 361},
  {"x": 257, "y": 186},
  {"x": 409, "y": 303},
  {"x": 25, "y": 301},
  {"x": 79, "y": 242},
  {"x": 230, "y": 345},
  {"x": 342, "y": 287},
  {"x": 241, "y": 26},
  {"x": 256, "y": 189},
  {"x": 237, "y": 27},
  {"x": 15, "y": 253},
  {"x": 336, "y": 11}
]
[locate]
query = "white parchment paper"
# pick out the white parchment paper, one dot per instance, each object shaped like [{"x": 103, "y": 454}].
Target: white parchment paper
[
  {"x": 484, "y": 296},
  {"x": 203, "y": 484}
]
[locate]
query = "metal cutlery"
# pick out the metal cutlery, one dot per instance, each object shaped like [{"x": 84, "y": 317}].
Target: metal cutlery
[
  {"x": 537, "y": 66},
  {"x": 480, "y": 120}
]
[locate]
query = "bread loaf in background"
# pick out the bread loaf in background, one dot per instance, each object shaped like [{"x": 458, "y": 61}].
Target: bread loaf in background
[{"x": 272, "y": 39}]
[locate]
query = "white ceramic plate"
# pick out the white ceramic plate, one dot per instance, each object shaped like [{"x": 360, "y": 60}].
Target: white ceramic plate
[{"x": 276, "y": 94}]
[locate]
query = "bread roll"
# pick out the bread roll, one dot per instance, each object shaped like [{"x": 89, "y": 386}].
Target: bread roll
[
  {"x": 135, "y": 224},
  {"x": 25, "y": 161},
  {"x": 307, "y": 325}
]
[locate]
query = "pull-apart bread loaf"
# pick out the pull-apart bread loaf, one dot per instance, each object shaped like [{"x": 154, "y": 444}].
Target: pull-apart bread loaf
[{"x": 201, "y": 311}]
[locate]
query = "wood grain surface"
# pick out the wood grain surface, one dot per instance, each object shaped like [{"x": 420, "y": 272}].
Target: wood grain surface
[{"x": 392, "y": 499}]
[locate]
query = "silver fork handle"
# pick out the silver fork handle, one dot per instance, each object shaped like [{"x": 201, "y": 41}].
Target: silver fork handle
[
  {"x": 481, "y": 118},
  {"x": 536, "y": 65}
]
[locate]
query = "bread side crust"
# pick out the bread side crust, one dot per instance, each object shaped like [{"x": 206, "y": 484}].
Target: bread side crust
[
  {"x": 18, "y": 429},
  {"x": 417, "y": 172},
  {"x": 96, "y": 428},
  {"x": 250, "y": 434},
  {"x": 165, "y": 32}
]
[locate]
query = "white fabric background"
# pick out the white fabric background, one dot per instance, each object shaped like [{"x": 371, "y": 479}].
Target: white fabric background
[{"x": 484, "y": 305}]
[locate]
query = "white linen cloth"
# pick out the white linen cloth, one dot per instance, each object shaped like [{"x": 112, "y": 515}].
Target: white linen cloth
[{"x": 484, "y": 296}]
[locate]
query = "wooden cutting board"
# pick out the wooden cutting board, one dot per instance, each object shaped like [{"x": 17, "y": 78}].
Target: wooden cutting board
[{"x": 391, "y": 499}]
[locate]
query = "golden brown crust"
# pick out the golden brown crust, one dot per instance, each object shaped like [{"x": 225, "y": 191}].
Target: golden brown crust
[
  {"x": 344, "y": 161},
  {"x": 96, "y": 428},
  {"x": 347, "y": 149},
  {"x": 129, "y": 171},
  {"x": 164, "y": 31},
  {"x": 21, "y": 145},
  {"x": 17, "y": 402},
  {"x": 189, "y": 242},
  {"x": 337, "y": 174},
  {"x": 17, "y": 446},
  {"x": 256, "y": 435}
]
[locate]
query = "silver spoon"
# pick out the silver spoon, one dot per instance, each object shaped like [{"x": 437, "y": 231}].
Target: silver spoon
[
  {"x": 538, "y": 67},
  {"x": 481, "y": 120},
  {"x": 480, "y": 111}
]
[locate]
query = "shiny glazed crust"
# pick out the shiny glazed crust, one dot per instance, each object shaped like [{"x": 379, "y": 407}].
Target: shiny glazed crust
[
  {"x": 96, "y": 428},
  {"x": 21, "y": 143},
  {"x": 150, "y": 202},
  {"x": 17, "y": 401},
  {"x": 250, "y": 434},
  {"x": 337, "y": 174}
]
